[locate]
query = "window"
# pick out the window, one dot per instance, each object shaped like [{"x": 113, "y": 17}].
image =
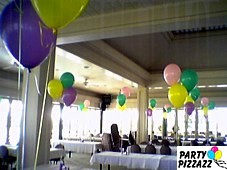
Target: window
[
  {"x": 4, "y": 111},
  {"x": 76, "y": 124},
  {"x": 10, "y": 118},
  {"x": 16, "y": 113},
  {"x": 126, "y": 120}
]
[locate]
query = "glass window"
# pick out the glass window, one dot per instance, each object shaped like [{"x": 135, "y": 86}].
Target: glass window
[
  {"x": 55, "y": 116},
  {"x": 16, "y": 113},
  {"x": 4, "y": 110},
  {"x": 126, "y": 120}
]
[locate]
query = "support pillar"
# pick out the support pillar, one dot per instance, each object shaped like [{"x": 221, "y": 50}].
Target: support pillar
[
  {"x": 32, "y": 116},
  {"x": 196, "y": 123},
  {"x": 142, "y": 105}
]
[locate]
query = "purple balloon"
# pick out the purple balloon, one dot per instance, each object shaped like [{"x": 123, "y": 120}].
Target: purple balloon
[
  {"x": 69, "y": 96},
  {"x": 149, "y": 112},
  {"x": 37, "y": 40},
  {"x": 189, "y": 108}
]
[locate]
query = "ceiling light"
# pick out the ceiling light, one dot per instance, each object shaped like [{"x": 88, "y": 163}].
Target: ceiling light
[
  {"x": 212, "y": 86},
  {"x": 158, "y": 88},
  {"x": 86, "y": 67},
  {"x": 202, "y": 86},
  {"x": 222, "y": 85}
]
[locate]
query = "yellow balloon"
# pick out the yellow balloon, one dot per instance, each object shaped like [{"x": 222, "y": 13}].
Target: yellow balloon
[
  {"x": 177, "y": 95},
  {"x": 84, "y": 109},
  {"x": 55, "y": 89},
  {"x": 218, "y": 155},
  {"x": 189, "y": 99},
  {"x": 122, "y": 108},
  {"x": 205, "y": 110},
  {"x": 165, "y": 115},
  {"x": 59, "y": 13}
]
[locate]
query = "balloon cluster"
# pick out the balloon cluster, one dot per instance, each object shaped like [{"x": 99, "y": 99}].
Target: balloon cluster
[
  {"x": 214, "y": 153},
  {"x": 122, "y": 97},
  {"x": 207, "y": 105},
  {"x": 36, "y": 40},
  {"x": 166, "y": 109},
  {"x": 152, "y": 105},
  {"x": 26, "y": 27},
  {"x": 84, "y": 106},
  {"x": 63, "y": 89},
  {"x": 183, "y": 90}
]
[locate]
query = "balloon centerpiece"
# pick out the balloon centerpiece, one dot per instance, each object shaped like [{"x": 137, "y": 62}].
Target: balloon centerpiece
[{"x": 63, "y": 89}]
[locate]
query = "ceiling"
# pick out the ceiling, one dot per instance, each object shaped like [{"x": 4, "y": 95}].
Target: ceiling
[{"x": 135, "y": 41}]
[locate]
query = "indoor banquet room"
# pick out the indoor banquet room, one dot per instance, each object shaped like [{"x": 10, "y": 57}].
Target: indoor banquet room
[{"x": 114, "y": 84}]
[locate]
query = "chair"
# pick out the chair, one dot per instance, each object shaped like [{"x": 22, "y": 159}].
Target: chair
[
  {"x": 165, "y": 150},
  {"x": 55, "y": 160},
  {"x": 155, "y": 141},
  {"x": 132, "y": 141},
  {"x": 107, "y": 144},
  {"x": 135, "y": 148},
  {"x": 3, "y": 156},
  {"x": 194, "y": 143},
  {"x": 165, "y": 142},
  {"x": 115, "y": 137},
  {"x": 150, "y": 149},
  {"x": 6, "y": 159},
  {"x": 220, "y": 143}
]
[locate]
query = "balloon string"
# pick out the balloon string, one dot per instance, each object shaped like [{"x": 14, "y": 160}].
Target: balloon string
[
  {"x": 41, "y": 26},
  {"x": 24, "y": 117},
  {"x": 36, "y": 84},
  {"x": 19, "y": 47},
  {"x": 42, "y": 112}
]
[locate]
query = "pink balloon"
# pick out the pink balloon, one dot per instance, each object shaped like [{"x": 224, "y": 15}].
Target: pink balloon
[
  {"x": 172, "y": 73},
  {"x": 167, "y": 106},
  {"x": 204, "y": 101},
  {"x": 214, "y": 149},
  {"x": 126, "y": 91},
  {"x": 86, "y": 103}
]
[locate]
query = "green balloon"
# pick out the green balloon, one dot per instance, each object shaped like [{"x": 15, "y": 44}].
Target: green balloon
[
  {"x": 211, "y": 105},
  {"x": 195, "y": 93},
  {"x": 67, "y": 79},
  {"x": 189, "y": 79},
  {"x": 121, "y": 98},
  {"x": 152, "y": 103},
  {"x": 81, "y": 106},
  {"x": 169, "y": 109}
]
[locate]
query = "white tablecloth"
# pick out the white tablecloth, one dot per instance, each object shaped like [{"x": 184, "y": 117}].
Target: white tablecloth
[
  {"x": 146, "y": 161},
  {"x": 78, "y": 146},
  {"x": 158, "y": 147},
  {"x": 57, "y": 153}
]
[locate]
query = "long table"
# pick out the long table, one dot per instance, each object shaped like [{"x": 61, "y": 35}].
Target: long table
[
  {"x": 134, "y": 160},
  {"x": 79, "y": 146}
]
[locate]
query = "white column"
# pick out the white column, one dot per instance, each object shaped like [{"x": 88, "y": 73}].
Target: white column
[
  {"x": 186, "y": 125},
  {"x": 196, "y": 123},
  {"x": 33, "y": 117},
  {"x": 142, "y": 104}
]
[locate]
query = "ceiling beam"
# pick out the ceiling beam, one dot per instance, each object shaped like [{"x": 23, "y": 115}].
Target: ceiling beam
[
  {"x": 152, "y": 19},
  {"x": 87, "y": 52}
]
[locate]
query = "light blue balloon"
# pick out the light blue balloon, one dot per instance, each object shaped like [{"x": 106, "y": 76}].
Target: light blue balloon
[{"x": 211, "y": 154}]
